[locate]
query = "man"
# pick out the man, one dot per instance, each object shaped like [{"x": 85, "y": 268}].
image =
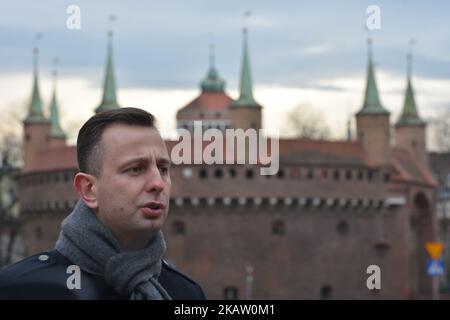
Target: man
[{"x": 111, "y": 245}]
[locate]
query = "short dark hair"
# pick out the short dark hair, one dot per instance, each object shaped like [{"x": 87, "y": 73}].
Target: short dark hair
[{"x": 89, "y": 151}]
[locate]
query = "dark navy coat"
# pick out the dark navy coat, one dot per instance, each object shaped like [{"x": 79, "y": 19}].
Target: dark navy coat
[{"x": 44, "y": 276}]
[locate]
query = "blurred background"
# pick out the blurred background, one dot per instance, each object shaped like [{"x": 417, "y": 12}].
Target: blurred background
[{"x": 357, "y": 92}]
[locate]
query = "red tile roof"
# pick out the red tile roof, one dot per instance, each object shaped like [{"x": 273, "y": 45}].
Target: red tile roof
[
  {"x": 324, "y": 152},
  {"x": 409, "y": 169},
  {"x": 292, "y": 151},
  {"x": 210, "y": 101}
]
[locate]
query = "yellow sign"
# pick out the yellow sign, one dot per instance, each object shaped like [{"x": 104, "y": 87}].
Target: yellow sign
[{"x": 434, "y": 249}]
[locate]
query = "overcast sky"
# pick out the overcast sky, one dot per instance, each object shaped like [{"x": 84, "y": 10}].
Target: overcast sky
[{"x": 301, "y": 52}]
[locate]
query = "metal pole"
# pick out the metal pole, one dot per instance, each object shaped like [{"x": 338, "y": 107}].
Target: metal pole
[
  {"x": 249, "y": 282},
  {"x": 444, "y": 200},
  {"x": 435, "y": 288}
]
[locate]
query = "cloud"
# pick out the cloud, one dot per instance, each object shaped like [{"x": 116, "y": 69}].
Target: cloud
[{"x": 315, "y": 50}]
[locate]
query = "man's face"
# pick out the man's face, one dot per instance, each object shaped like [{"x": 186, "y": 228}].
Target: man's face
[{"x": 133, "y": 189}]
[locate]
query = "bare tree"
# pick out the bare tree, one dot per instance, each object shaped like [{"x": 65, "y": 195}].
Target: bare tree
[
  {"x": 10, "y": 219},
  {"x": 11, "y": 157},
  {"x": 11, "y": 148},
  {"x": 440, "y": 129},
  {"x": 303, "y": 121},
  {"x": 11, "y": 142}
]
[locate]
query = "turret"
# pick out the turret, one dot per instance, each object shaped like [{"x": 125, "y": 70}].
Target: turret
[
  {"x": 245, "y": 111},
  {"x": 57, "y": 135},
  {"x": 109, "y": 99},
  {"x": 410, "y": 128},
  {"x": 372, "y": 121},
  {"x": 36, "y": 125}
]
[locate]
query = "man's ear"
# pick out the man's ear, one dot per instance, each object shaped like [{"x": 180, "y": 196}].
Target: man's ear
[{"x": 86, "y": 186}]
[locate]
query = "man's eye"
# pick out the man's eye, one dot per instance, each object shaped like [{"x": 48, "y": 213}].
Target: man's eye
[
  {"x": 164, "y": 170},
  {"x": 135, "y": 169}
]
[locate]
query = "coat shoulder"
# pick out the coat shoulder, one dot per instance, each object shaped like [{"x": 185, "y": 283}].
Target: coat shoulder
[
  {"x": 33, "y": 276},
  {"x": 179, "y": 285},
  {"x": 31, "y": 265}
]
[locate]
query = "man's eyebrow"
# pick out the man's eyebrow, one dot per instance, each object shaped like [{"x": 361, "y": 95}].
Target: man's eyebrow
[
  {"x": 133, "y": 160},
  {"x": 162, "y": 161},
  {"x": 159, "y": 161}
]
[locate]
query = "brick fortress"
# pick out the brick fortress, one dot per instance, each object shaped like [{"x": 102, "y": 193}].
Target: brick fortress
[{"x": 308, "y": 232}]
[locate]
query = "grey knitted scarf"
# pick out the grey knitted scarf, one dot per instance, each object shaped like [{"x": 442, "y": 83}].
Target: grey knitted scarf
[{"x": 89, "y": 244}]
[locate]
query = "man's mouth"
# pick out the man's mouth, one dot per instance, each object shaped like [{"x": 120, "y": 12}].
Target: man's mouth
[
  {"x": 154, "y": 205},
  {"x": 153, "y": 209}
]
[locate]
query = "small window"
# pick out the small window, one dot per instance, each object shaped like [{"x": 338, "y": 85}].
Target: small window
[
  {"x": 360, "y": 175},
  {"x": 218, "y": 115},
  {"x": 336, "y": 175},
  {"x": 249, "y": 173},
  {"x": 56, "y": 177},
  {"x": 27, "y": 137},
  {"x": 342, "y": 228},
  {"x": 218, "y": 173},
  {"x": 232, "y": 172},
  {"x": 348, "y": 175},
  {"x": 326, "y": 293},
  {"x": 203, "y": 174},
  {"x": 66, "y": 177},
  {"x": 178, "y": 228},
  {"x": 382, "y": 248},
  {"x": 231, "y": 293},
  {"x": 278, "y": 228},
  {"x": 310, "y": 174},
  {"x": 387, "y": 177},
  {"x": 369, "y": 175},
  {"x": 201, "y": 115},
  {"x": 324, "y": 173}
]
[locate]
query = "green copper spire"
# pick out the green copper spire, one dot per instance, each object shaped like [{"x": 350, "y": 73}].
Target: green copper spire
[
  {"x": 246, "y": 93},
  {"x": 109, "y": 100},
  {"x": 55, "y": 129},
  {"x": 212, "y": 82},
  {"x": 372, "y": 104},
  {"x": 409, "y": 115},
  {"x": 35, "y": 114}
]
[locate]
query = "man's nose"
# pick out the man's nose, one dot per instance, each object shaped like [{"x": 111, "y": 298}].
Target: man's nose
[{"x": 155, "y": 182}]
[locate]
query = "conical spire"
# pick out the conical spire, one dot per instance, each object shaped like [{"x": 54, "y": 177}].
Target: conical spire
[
  {"x": 55, "y": 129},
  {"x": 212, "y": 82},
  {"x": 35, "y": 114},
  {"x": 109, "y": 100},
  {"x": 409, "y": 115},
  {"x": 246, "y": 90},
  {"x": 372, "y": 104}
]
